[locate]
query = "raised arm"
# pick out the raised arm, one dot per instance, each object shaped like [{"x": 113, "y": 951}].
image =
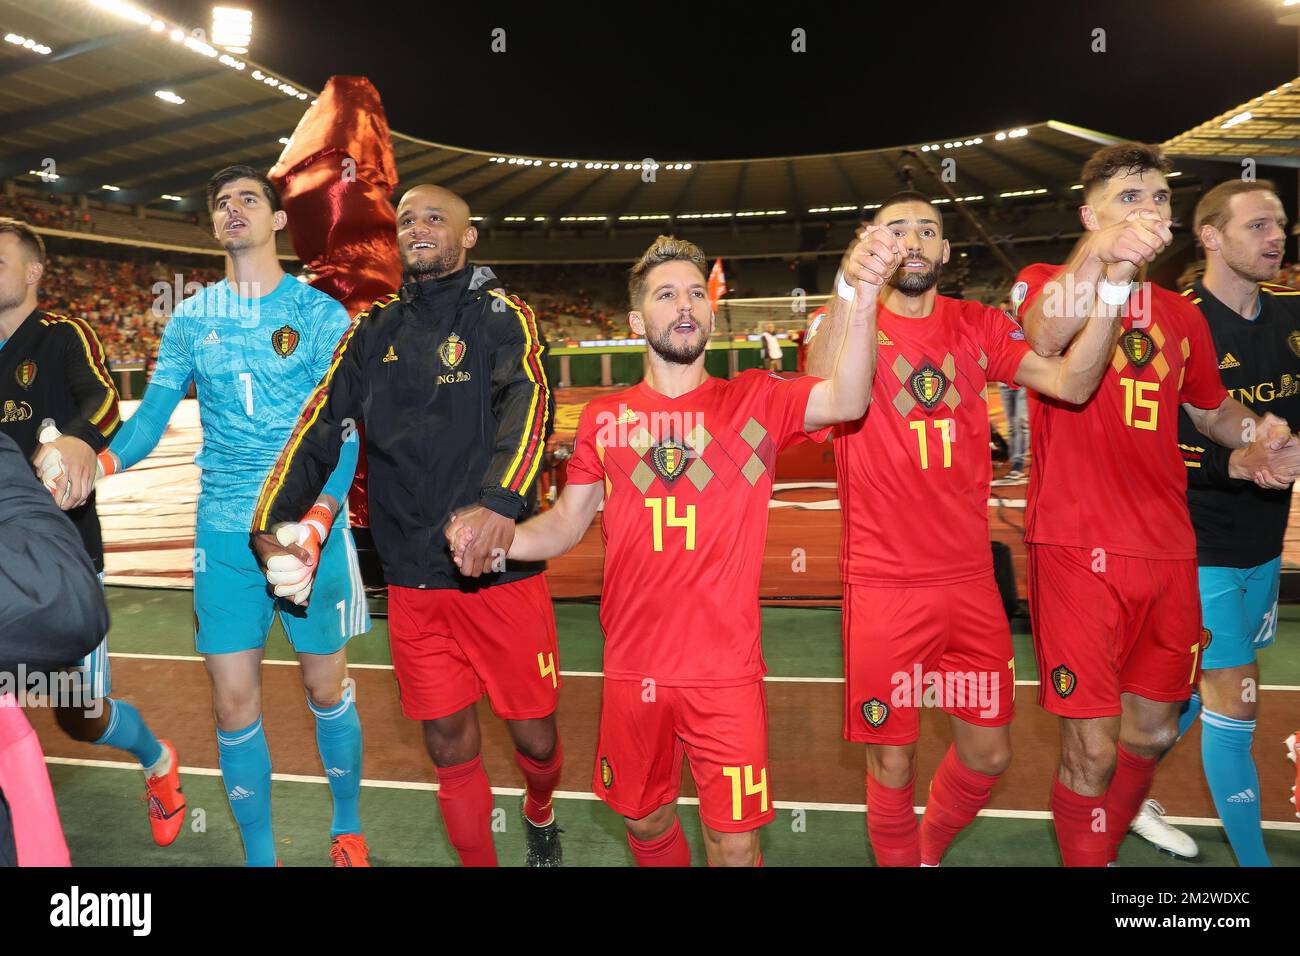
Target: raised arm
[
  {"x": 1074, "y": 376},
  {"x": 1074, "y": 295},
  {"x": 849, "y": 344}
]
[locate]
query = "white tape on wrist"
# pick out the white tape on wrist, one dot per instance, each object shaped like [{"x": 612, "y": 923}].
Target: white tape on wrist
[
  {"x": 842, "y": 288},
  {"x": 1113, "y": 294}
]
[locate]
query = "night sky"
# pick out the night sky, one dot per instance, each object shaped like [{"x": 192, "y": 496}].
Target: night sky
[{"x": 713, "y": 81}]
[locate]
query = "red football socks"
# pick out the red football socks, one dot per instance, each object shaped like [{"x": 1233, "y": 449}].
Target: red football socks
[
  {"x": 466, "y": 802},
  {"x": 671, "y": 849},
  {"x": 1081, "y": 833},
  {"x": 957, "y": 794},
  {"x": 891, "y": 824},
  {"x": 1129, "y": 786},
  {"x": 541, "y": 778}
]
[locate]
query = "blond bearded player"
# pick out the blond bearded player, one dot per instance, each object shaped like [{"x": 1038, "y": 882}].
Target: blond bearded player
[{"x": 684, "y": 464}]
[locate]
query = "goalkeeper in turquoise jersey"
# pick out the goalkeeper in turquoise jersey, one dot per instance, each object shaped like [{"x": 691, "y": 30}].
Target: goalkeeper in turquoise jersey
[{"x": 257, "y": 345}]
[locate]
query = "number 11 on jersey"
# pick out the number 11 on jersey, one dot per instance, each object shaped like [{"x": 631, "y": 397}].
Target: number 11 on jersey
[{"x": 944, "y": 427}]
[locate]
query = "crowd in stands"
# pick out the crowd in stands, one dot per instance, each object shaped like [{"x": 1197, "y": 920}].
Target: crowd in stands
[
  {"x": 126, "y": 302},
  {"x": 54, "y": 214},
  {"x": 573, "y": 301}
]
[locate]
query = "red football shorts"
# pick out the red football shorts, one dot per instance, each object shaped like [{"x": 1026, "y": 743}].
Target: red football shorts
[
  {"x": 1107, "y": 624},
  {"x": 947, "y": 646},
  {"x": 451, "y": 646},
  {"x": 646, "y": 729}
]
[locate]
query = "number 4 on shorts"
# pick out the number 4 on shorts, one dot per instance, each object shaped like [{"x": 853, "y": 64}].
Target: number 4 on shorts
[{"x": 546, "y": 665}]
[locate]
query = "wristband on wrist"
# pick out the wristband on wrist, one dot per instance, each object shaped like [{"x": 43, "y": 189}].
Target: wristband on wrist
[
  {"x": 842, "y": 288},
  {"x": 108, "y": 463},
  {"x": 319, "y": 519},
  {"x": 1112, "y": 293}
]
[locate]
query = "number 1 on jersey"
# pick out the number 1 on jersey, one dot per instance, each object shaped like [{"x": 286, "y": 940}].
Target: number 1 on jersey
[
  {"x": 944, "y": 425},
  {"x": 247, "y": 379}
]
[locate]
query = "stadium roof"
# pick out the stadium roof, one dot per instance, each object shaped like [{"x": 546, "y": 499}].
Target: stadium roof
[
  {"x": 1266, "y": 129},
  {"x": 90, "y": 106}
]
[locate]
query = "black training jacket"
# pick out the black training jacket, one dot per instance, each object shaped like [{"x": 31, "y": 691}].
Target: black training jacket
[
  {"x": 1239, "y": 524},
  {"x": 53, "y": 368},
  {"x": 447, "y": 377}
]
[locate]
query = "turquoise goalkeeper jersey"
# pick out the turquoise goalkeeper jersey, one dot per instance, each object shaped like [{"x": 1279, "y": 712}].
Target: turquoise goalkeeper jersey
[{"x": 253, "y": 361}]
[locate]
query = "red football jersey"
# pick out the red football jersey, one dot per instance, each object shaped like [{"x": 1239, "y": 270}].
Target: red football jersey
[
  {"x": 687, "y": 484},
  {"x": 1108, "y": 474},
  {"x": 914, "y": 472}
]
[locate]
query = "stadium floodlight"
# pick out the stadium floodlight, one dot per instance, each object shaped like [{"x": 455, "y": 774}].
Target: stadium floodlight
[
  {"x": 284, "y": 140},
  {"x": 111, "y": 189},
  {"x": 232, "y": 28},
  {"x": 44, "y": 174},
  {"x": 27, "y": 43},
  {"x": 167, "y": 96},
  {"x": 1242, "y": 117},
  {"x": 171, "y": 197}
]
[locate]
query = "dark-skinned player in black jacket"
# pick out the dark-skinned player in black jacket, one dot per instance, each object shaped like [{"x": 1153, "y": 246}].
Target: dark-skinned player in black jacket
[{"x": 447, "y": 376}]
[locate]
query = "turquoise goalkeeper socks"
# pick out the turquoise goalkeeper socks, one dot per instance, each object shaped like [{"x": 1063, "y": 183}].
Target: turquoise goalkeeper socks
[
  {"x": 338, "y": 738},
  {"x": 1234, "y": 783},
  {"x": 246, "y": 770},
  {"x": 128, "y": 731}
]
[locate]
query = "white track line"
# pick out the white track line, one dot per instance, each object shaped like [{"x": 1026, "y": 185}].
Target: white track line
[
  {"x": 587, "y": 795},
  {"x": 769, "y": 679}
]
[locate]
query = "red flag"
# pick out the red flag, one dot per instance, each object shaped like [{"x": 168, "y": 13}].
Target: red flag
[{"x": 717, "y": 285}]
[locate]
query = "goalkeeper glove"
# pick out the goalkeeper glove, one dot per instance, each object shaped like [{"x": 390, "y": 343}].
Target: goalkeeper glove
[
  {"x": 287, "y": 574},
  {"x": 51, "y": 470}
]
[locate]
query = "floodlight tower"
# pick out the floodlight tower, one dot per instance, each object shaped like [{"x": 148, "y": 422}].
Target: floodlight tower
[{"x": 232, "y": 29}]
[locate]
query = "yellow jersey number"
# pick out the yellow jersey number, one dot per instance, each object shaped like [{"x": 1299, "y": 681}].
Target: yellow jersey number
[
  {"x": 1140, "y": 411},
  {"x": 944, "y": 427},
  {"x": 661, "y": 509},
  {"x": 546, "y": 666},
  {"x": 749, "y": 788}
]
